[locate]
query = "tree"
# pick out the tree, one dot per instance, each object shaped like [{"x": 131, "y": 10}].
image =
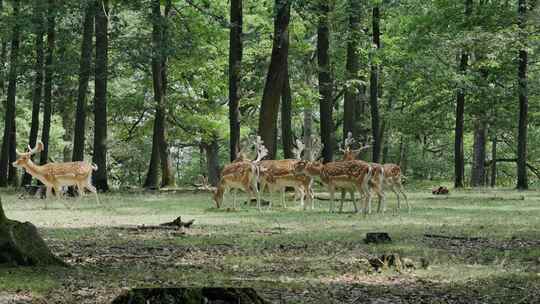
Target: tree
[
  {"x": 84, "y": 77},
  {"x": 478, "y": 176},
  {"x": 3, "y": 54},
  {"x": 352, "y": 66},
  {"x": 374, "y": 88},
  {"x": 38, "y": 80},
  {"x": 235, "y": 60},
  {"x": 49, "y": 74},
  {"x": 326, "y": 103},
  {"x": 459, "y": 158},
  {"x": 287, "y": 135},
  {"x": 275, "y": 79},
  {"x": 100, "y": 100},
  {"x": 522, "y": 182},
  {"x": 9, "y": 125}
]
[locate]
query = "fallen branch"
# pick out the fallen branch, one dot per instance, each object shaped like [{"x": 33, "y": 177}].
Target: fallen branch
[{"x": 438, "y": 236}]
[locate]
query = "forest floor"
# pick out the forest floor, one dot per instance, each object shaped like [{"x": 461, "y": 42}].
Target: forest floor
[{"x": 468, "y": 247}]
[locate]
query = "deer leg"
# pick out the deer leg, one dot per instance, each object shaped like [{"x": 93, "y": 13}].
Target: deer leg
[
  {"x": 354, "y": 201},
  {"x": 332, "y": 191},
  {"x": 235, "y": 192},
  {"x": 93, "y": 189},
  {"x": 283, "y": 197},
  {"x": 381, "y": 207},
  {"x": 402, "y": 191},
  {"x": 343, "y": 194}
]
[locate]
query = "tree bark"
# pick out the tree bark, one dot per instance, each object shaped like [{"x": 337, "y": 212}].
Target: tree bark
[
  {"x": 522, "y": 180},
  {"x": 352, "y": 90},
  {"x": 84, "y": 76},
  {"x": 325, "y": 82},
  {"x": 9, "y": 118},
  {"x": 38, "y": 81},
  {"x": 374, "y": 89},
  {"x": 479, "y": 154},
  {"x": 13, "y": 176},
  {"x": 459, "y": 158},
  {"x": 3, "y": 54},
  {"x": 308, "y": 131},
  {"x": 100, "y": 99},
  {"x": 235, "y": 60},
  {"x": 49, "y": 74},
  {"x": 212, "y": 161},
  {"x": 287, "y": 135},
  {"x": 275, "y": 79},
  {"x": 167, "y": 172},
  {"x": 493, "y": 179},
  {"x": 152, "y": 177}
]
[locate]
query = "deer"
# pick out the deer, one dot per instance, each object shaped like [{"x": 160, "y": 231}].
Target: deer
[
  {"x": 388, "y": 175},
  {"x": 279, "y": 174},
  {"x": 241, "y": 174},
  {"x": 57, "y": 175}
]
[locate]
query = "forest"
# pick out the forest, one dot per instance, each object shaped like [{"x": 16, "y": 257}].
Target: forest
[{"x": 158, "y": 107}]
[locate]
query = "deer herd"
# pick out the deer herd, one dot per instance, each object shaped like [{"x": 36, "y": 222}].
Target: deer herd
[{"x": 349, "y": 175}]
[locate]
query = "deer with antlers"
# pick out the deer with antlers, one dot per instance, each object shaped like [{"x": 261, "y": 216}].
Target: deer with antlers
[
  {"x": 388, "y": 175},
  {"x": 350, "y": 175},
  {"x": 57, "y": 175},
  {"x": 277, "y": 175},
  {"x": 241, "y": 174}
]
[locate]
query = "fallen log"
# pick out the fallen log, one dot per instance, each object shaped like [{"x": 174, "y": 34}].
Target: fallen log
[{"x": 449, "y": 237}]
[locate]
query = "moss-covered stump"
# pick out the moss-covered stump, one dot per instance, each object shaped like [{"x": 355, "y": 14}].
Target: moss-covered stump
[
  {"x": 190, "y": 296},
  {"x": 21, "y": 245}
]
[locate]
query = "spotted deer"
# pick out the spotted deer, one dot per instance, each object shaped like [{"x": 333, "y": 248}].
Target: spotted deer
[
  {"x": 57, "y": 175},
  {"x": 388, "y": 175},
  {"x": 241, "y": 174},
  {"x": 351, "y": 175},
  {"x": 277, "y": 175}
]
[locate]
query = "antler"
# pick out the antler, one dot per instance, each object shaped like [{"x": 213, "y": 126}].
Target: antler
[
  {"x": 349, "y": 141},
  {"x": 38, "y": 148},
  {"x": 297, "y": 151},
  {"x": 262, "y": 151}
]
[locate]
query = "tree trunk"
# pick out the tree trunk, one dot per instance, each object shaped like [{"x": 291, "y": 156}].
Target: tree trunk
[
  {"x": 84, "y": 76},
  {"x": 167, "y": 172},
  {"x": 308, "y": 131},
  {"x": 9, "y": 118},
  {"x": 522, "y": 180},
  {"x": 494, "y": 164},
  {"x": 459, "y": 158},
  {"x": 352, "y": 90},
  {"x": 479, "y": 154},
  {"x": 49, "y": 74},
  {"x": 3, "y": 54},
  {"x": 13, "y": 177},
  {"x": 325, "y": 82},
  {"x": 100, "y": 99},
  {"x": 38, "y": 82},
  {"x": 374, "y": 89},
  {"x": 275, "y": 79},
  {"x": 235, "y": 60},
  {"x": 212, "y": 161},
  {"x": 286, "y": 118}
]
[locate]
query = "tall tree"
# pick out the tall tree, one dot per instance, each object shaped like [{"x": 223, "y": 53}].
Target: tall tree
[
  {"x": 275, "y": 78},
  {"x": 212, "y": 160},
  {"x": 167, "y": 173},
  {"x": 235, "y": 60},
  {"x": 459, "y": 158},
  {"x": 374, "y": 88},
  {"x": 326, "y": 103},
  {"x": 49, "y": 74},
  {"x": 100, "y": 99},
  {"x": 84, "y": 77},
  {"x": 478, "y": 170},
  {"x": 352, "y": 89},
  {"x": 286, "y": 117},
  {"x": 38, "y": 80},
  {"x": 9, "y": 125},
  {"x": 3, "y": 54},
  {"x": 522, "y": 182}
]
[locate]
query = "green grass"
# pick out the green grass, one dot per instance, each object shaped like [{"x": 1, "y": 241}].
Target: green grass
[{"x": 285, "y": 247}]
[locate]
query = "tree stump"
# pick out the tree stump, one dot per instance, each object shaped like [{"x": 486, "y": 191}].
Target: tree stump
[
  {"x": 190, "y": 296},
  {"x": 21, "y": 244},
  {"x": 377, "y": 238}
]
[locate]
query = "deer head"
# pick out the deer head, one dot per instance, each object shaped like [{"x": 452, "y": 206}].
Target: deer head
[
  {"x": 348, "y": 152},
  {"x": 26, "y": 157}
]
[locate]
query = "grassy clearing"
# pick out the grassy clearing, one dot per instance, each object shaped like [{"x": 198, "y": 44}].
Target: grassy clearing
[{"x": 314, "y": 255}]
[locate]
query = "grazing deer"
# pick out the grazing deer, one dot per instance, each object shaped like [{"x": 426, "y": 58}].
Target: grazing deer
[
  {"x": 57, "y": 175},
  {"x": 392, "y": 179},
  {"x": 354, "y": 174},
  {"x": 241, "y": 174}
]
